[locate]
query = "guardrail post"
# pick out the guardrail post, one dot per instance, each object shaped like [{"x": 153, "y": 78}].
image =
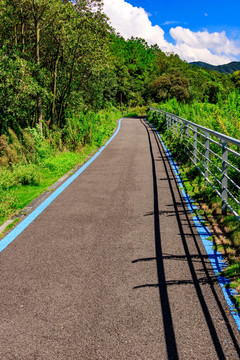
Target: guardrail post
[
  {"x": 171, "y": 123},
  {"x": 167, "y": 118},
  {"x": 187, "y": 130},
  {"x": 181, "y": 129},
  {"x": 194, "y": 145},
  {"x": 162, "y": 116},
  {"x": 224, "y": 177},
  {"x": 206, "y": 156},
  {"x": 176, "y": 126}
]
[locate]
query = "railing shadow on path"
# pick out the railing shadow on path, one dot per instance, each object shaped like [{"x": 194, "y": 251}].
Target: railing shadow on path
[
  {"x": 170, "y": 338},
  {"x": 206, "y": 277}
]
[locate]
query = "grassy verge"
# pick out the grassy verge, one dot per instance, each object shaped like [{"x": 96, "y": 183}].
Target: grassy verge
[
  {"x": 23, "y": 176},
  {"x": 136, "y": 111},
  {"x": 15, "y": 197},
  {"x": 225, "y": 229}
]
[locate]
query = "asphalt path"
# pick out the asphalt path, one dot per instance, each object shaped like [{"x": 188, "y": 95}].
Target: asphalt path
[{"x": 114, "y": 268}]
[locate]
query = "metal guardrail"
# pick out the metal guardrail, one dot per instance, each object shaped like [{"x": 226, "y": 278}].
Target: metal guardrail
[{"x": 216, "y": 156}]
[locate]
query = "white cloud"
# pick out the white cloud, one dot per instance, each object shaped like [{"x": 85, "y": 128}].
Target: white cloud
[
  {"x": 214, "y": 48},
  {"x": 134, "y": 21},
  {"x": 170, "y": 22},
  {"x": 216, "y": 42}
]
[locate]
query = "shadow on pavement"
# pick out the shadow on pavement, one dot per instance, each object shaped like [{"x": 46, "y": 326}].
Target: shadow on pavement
[
  {"x": 179, "y": 211},
  {"x": 171, "y": 345}
]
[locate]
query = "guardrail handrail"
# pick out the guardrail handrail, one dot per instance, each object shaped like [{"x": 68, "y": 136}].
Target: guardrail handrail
[{"x": 200, "y": 152}]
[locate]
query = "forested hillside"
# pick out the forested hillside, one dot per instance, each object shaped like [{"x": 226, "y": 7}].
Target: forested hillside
[
  {"x": 65, "y": 74},
  {"x": 59, "y": 57},
  {"x": 229, "y": 68}
]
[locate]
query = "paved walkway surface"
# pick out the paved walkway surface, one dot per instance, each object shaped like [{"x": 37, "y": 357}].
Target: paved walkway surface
[{"x": 114, "y": 269}]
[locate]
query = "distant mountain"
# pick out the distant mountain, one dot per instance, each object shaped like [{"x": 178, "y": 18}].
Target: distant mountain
[{"x": 225, "y": 69}]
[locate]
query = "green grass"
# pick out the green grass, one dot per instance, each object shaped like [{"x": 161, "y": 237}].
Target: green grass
[
  {"x": 9, "y": 227},
  {"x": 22, "y": 182},
  {"x": 136, "y": 111},
  {"x": 16, "y": 197}
]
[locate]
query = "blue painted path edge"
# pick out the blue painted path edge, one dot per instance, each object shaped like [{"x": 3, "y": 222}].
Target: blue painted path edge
[
  {"x": 215, "y": 257},
  {"x": 29, "y": 219}
]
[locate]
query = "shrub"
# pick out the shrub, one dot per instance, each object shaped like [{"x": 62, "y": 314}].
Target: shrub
[
  {"x": 19, "y": 174},
  {"x": 178, "y": 147},
  {"x": 158, "y": 120},
  {"x": 26, "y": 175}
]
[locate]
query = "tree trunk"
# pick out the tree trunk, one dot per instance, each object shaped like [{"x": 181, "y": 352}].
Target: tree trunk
[
  {"x": 22, "y": 30},
  {"x": 54, "y": 90},
  {"x": 15, "y": 29},
  {"x": 39, "y": 98},
  {"x": 23, "y": 39}
]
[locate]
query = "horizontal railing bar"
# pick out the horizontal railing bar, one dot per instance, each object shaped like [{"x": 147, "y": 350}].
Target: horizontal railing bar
[
  {"x": 215, "y": 154},
  {"x": 200, "y": 143},
  {"x": 232, "y": 210},
  {"x": 215, "y": 142},
  {"x": 218, "y": 168},
  {"x": 192, "y": 137},
  {"x": 195, "y": 131},
  {"x": 233, "y": 197},
  {"x": 201, "y": 162},
  {"x": 214, "y": 187},
  {"x": 232, "y": 166},
  {"x": 199, "y": 152},
  {"x": 191, "y": 152},
  {"x": 233, "y": 152},
  {"x": 233, "y": 182},
  {"x": 207, "y": 179},
  {"x": 201, "y": 134},
  {"x": 217, "y": 180}
]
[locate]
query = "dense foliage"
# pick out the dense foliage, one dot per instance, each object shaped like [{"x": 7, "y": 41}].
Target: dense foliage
[
  {"x": 61, "y": 57},
  {"x": 222, "y": 117},
  {"x": 37, "y": 161},
  {"x": 61, "y": 63}
]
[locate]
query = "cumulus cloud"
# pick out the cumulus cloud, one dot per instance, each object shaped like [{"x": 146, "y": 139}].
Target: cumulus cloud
[
  {"x": 134, "y": 21},
  {"x": 214, "y": 48},
  {"x": 216, "y": 42}
]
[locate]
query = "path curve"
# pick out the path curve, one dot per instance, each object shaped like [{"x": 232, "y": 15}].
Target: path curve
[{"x": 114, "y": 268}]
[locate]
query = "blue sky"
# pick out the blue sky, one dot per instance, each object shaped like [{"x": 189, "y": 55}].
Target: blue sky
[{"x": 198, "y": 31}]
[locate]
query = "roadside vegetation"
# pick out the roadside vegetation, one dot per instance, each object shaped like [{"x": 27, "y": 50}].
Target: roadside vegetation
[
  {"x": 224, "y": 116},
  {"x": 31, "y": 164},
  {"x": 225, "y": 229}
]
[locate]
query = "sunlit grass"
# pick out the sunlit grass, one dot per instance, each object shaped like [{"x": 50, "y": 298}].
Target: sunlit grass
[{"x": 21, "y": 183}]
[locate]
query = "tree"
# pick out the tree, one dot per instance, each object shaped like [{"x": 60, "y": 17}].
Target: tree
[
  {"x": 63, "y": 44},
  {"x": 173, "y": 85},
  {"x": 236, "y": 78}
]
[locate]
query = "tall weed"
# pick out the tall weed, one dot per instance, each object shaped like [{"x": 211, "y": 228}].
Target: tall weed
[
  {"x": 31, "y": 161},
  {"x": 223, "y": 117}
]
